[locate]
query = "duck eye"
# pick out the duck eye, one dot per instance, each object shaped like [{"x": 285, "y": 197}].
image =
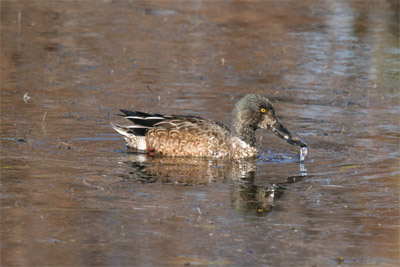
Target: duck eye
[{"x": 263, "y": 110}]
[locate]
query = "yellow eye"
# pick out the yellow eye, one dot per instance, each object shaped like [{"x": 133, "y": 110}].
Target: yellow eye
[{"x": 263, "y": 110}]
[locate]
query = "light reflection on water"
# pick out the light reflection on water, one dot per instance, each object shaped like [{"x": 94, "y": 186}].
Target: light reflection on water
[{"x": 72, "y": 195}]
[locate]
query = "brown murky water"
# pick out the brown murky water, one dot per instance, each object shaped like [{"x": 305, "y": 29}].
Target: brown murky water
[{"x": 72, "y": 195}]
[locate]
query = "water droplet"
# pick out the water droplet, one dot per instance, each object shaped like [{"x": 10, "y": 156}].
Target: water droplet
[{"x": 303, "y": 153}]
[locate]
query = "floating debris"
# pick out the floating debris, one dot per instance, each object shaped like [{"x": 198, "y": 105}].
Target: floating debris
[{"x": 26, "y": 98}]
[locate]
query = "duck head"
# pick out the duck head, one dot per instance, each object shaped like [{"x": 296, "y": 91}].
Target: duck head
[{"x": 254, "y": 112}]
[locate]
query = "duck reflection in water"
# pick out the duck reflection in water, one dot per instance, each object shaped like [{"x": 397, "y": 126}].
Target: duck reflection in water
[
  {"x": 250, "y": 199},
  {"x": 246, "y": 197}
]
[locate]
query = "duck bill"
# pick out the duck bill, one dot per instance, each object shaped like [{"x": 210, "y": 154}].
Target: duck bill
[{"x": 281, "y": 131}]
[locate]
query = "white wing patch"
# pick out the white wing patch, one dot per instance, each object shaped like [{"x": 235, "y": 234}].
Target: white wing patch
[
  {"x": 137, "y": 127},
  {"x": 144, "y": 118}
]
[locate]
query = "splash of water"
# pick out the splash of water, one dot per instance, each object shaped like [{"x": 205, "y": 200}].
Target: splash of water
[
  {"x": 303, "y": 170},
  {"x": 303, "y": 153}
]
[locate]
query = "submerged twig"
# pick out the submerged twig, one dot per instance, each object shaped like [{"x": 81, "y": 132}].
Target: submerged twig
[
  {"x": 44, "y": 116},
  {"x": 308, "y": 189},
  {"x": 19, "y": 23}
]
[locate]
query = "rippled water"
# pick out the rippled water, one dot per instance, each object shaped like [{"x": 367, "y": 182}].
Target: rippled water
[{"x": 72, "y": 194}]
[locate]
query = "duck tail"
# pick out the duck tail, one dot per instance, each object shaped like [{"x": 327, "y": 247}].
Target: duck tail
[
  {"x": 134, "y": 135},
  {"x": 131, "y": 130}
]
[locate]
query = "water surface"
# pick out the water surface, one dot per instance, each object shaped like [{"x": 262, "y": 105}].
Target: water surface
[{"x": 71, "y": 193}]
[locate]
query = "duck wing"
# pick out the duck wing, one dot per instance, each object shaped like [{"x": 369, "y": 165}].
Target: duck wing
[{"x": 178, "y": 135}]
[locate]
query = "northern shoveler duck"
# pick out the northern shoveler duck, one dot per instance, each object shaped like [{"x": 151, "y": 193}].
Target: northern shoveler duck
[{"x": 177, "y": 135}]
